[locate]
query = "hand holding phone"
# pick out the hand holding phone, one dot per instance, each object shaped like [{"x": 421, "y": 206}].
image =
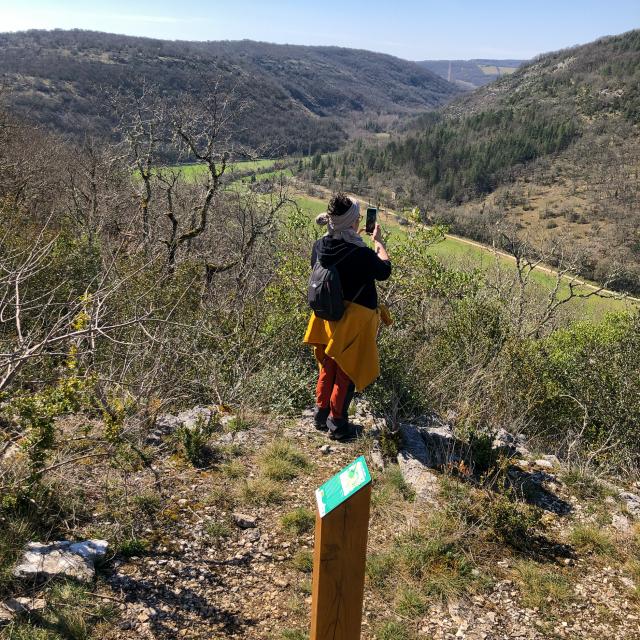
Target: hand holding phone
[{"x": 372, "y": 213}]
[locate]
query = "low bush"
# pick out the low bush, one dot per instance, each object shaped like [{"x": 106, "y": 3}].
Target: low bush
[
  {"x": 215, "y": 530},
  {"x": 303, "y": 561},
  {"x": 294, "y": 634},
  {"x": 148, "y": 503},
  {"x": 234, "y": 469},
  {"x": 14, "y": 534},
  {"x": 133, "y": 547},
  {"x": 516, "y": 523},
  {"x": 436, "y": 562},
  {"x": 393, "y": 631},
  {"x": 431, "y": 560},
  {"x": 28, "y": 631},
  {"x": 632, "y": 567},
  {"x": 542, "y": 588},
  {"x": 391, "y": 485},
  {"x": 72, "y": 613},
  {"x": 194, "y": 443},
  {"x": 411, "y": 603},
  {"x": 282, "y": 461},
  {"x": 298, "y": 521},
  {"x": 583, "y": 484},
  {"x": 261, "y": 491},
  {"x": 590, "y": 539},
  {"x": 238, "y": 423},
  {"x": 584, "y": 382},
  {"x": 380, "y": 566}
]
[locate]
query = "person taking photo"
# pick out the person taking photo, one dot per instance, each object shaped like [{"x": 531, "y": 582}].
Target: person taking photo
[{"x": 344, "y": 337}]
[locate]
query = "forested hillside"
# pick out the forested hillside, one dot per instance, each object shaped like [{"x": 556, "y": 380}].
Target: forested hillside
[
  {"x": 293, "y": 98},
  {"x": 552, "y": 148}
]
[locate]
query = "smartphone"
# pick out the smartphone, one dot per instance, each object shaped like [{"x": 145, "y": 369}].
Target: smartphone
[{"x": 372, "y": 213}]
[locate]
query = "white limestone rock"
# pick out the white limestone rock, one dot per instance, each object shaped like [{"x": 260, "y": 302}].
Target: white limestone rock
[
  {"x": 245, "y": 521},
  {"x": 377, "y": 459},
  {"x": 188, "y": 419},
  {"x": 621, "y": 523},
  {"x": 12, "y": 606},
  {"x": 632, "y": 503},
  {"x": 442, "y": 447},
  {"x": 512, "y": 445},
  {"x": 412, "y": 460},
  {"x": 61, "y": 559}
]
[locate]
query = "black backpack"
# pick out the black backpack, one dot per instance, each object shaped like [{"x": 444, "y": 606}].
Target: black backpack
[{"x": 325, "y": 290}]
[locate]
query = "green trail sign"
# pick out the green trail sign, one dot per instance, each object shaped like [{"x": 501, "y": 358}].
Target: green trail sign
[
  {"x": 343, "y": 485},
  {"x": 340, "y": 553}
]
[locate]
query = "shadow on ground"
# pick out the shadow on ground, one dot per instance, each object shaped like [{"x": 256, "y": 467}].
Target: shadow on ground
[{"x": 183, "y": 605}]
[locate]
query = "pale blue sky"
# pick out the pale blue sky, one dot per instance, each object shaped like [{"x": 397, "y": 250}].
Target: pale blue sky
[{"x": 410, "y": 29}]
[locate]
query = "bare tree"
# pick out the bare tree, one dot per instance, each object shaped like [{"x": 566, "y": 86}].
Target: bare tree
[
  {"x": 37, "y": 321},
  {"x": 95, "y": 188},
  {"x": 193, "y": 212},
  {"x": 30, "y": 162},
  {"x": 532, "y": 318}
]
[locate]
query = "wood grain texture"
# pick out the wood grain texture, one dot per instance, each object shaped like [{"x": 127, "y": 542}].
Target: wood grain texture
[{"x": 339, "y": 560}]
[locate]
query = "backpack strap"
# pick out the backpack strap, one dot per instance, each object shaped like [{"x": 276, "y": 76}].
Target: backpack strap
[{"x": 360, "y": 290}]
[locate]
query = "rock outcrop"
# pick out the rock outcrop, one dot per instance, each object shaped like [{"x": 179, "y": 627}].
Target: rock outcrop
[
  {"x": 631, "y": 502},
  {"x": 245, "y": 521},
  {"x": 13, "y": 607},
  {"x": 431, "y": 445},
  {"x": 414, "y": 459},
  {"x": 168, "y": 423}
]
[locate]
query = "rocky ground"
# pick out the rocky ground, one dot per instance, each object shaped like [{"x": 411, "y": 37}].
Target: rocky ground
[
  {"x": 256, "y": 582},
  {"x": 222, "y": 560}
]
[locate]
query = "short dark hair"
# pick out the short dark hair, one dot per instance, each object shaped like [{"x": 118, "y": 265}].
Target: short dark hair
[{"x": 339, "y": 204}]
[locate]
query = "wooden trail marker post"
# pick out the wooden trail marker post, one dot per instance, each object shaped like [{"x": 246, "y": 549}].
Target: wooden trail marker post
[{"x": 340, "y": 552}]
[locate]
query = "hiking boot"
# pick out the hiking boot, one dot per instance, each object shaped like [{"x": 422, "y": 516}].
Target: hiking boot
[
  {"x": 340, "y": 428},
  {"x": 320, "y": 418}
]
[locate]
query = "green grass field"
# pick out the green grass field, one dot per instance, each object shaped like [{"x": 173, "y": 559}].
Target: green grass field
[
  {"x": 462, "y": 255},
  {"x": 458, "y": 253},
  {"x": 312, "y": 206},
  {"x": 268, "y": 175},
  {"x": 192, "y": 171}
]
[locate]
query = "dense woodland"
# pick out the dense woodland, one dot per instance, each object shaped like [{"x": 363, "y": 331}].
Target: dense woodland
[
  {"x": 295, "y": 99},
  {"x": 567, "y": 121}
]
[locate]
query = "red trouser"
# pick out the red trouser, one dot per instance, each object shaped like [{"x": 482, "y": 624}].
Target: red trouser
[{"x": 334, "y": 390}]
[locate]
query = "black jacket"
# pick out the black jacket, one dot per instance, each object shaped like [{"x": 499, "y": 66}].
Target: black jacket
[{"x": 359, "y": 268}]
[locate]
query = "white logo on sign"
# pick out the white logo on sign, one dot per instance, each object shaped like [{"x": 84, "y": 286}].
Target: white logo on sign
[{"x": 352, "y": 478}]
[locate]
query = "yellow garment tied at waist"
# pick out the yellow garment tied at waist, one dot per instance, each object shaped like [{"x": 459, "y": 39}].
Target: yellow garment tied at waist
[{"x": 350, "y": 341}]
